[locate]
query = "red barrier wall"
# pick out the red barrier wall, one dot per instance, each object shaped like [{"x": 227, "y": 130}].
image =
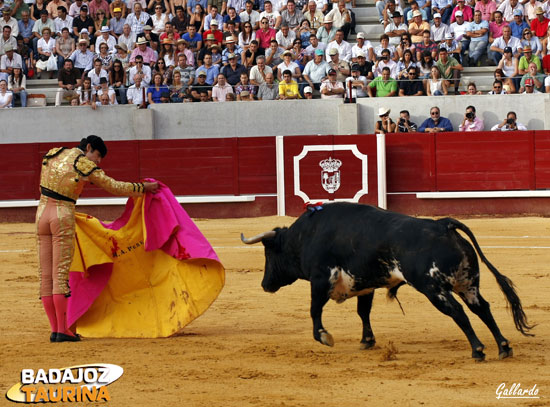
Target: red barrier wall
[{"x": 484, "y": 161}]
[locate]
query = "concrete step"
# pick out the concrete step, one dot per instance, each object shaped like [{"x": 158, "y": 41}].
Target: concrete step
[
  {"x": 370, "y": 29},
  {"x": 47, "y": 87}
]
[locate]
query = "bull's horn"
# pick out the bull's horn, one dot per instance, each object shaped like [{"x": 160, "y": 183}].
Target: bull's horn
[{"x": 257, "y": 238}]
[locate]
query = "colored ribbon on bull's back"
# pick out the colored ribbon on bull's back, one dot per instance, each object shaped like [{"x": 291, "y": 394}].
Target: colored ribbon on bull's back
[{"x": 148, "y": 274}]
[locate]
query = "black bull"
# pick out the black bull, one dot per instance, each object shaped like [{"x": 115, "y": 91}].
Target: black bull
[{"x": 348, "y": 250}]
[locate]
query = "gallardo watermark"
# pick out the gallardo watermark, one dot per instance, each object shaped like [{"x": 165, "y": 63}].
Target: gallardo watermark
[
  {"x": 515, "y": 391},
  {"x": 83, "y": 383}
]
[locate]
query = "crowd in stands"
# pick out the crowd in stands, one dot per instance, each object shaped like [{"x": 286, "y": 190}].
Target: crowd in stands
[{"x": 172, "y": 51}]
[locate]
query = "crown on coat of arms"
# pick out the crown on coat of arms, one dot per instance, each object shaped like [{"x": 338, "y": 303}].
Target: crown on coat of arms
[{"x": 330, "y": 164}]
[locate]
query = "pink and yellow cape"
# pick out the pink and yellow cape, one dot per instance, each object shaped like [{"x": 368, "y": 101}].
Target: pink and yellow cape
[{"x": 148, "y": 274}]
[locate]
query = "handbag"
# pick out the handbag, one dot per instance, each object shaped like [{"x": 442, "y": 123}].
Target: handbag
[
  {"x": 42, "y": 57},
  {"x": 52, "y": 63}
]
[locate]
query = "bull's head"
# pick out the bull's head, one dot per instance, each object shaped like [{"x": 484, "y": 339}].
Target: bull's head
[{"x": 278, "y": 272}]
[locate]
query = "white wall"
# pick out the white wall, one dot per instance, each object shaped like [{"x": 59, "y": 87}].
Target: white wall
[{"x": 246, "y": 119}]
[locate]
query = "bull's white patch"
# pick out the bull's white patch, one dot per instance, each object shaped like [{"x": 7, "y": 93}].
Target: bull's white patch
[
  {"x": 434, "y": 270},
  {"x": 343, "y": 285},
  {"x": 396, "y": 276}
]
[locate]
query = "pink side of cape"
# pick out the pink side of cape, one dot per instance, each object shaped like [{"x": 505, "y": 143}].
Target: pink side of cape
[{"x": 168, "y": 227}]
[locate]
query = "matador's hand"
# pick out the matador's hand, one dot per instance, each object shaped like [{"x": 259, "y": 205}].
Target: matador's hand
[{"x": 151, "y": 187}]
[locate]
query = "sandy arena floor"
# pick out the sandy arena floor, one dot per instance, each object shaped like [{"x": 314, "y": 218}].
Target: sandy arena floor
[{"x": 256, "y": 349}]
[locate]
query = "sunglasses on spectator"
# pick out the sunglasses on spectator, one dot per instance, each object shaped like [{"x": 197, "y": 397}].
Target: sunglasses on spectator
[
  {"x": 158, "y": 8},
  {"x": 385, "y": 115},
  {"x": 434, "y": 113}
]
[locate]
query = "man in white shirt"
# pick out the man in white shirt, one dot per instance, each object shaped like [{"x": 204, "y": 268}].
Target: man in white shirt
[
  {"x": 272, "y": 15},
  {"x": 507, "y": 7},
  {"x": 438, "y": 30},
  {"x": 106, "y": 38},
  {"x": 285, "y": 37},
  {"x": 395, "y": 29},
  {"x": 357, "y": 82},
  {"x": 135, "y": 94},
  {"x": 96, "y": 74},
  {"x": 141, "y": 69},
  {"x": 499, "y": 46},
  {"x": 343, "y": 47},
  {"x": 250, "y": 15},
  {"x": 63, "y": 20},
  {"x": 509, "y": 124}
]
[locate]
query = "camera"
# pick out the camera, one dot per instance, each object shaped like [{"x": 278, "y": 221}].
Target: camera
[
  {"x": 470, "y": 115},
  {"x": 510, "y": 121}
]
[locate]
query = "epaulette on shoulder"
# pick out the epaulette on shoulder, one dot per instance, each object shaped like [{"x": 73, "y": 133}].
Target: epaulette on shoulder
[
  {"x": 84, "y": 166},
  {"x": 52, "y": 153}
]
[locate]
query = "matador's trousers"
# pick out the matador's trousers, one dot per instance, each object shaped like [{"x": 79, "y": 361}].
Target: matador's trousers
[{"x": 55, "y": 229}]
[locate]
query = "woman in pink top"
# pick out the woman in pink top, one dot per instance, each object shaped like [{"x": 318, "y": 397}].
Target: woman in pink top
[{"x": 466, "y": 11}]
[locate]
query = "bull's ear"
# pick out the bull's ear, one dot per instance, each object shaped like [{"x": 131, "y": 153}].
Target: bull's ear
[{"x": 275, "y": 242}]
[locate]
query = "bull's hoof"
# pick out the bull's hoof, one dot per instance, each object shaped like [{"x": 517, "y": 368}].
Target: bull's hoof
[
  {"x": 367, "y": 344},
  {"x": 506, "y": 352},
  {"x": 326, "y": 338},
  {"x": 478, "y": 354}
]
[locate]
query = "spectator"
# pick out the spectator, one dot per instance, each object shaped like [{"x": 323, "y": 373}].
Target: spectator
[
  {"x": 539, "y": 26},
  {"x": 417, "y": 27},
  {"x": 288, "y": 88},
  {"x": 27, "y": 57},
  {"x": 246, "y": 36},
  {"x": 331, "y": 88},
  {"x": 500, "y": 44},
  {"x": 291, "y": 16},
  {"x": 273, "y": 17},
  {"x": 406, "y": 45},
  {"x": 477, "y": 31},
  {"x": 385, "y": 124},
  {"x": 471, "y": 122},
  {"x": 168, "y": 53},
  {"x": 454, "y": 48},
  {"x": 534, "y": 77},
  {"x": 444, "y": 8},
  {"x": 37, "y": 29},
  {"x": 509, "y": 8},
  {"x": 138, "y": 19},
  {"x": 386, "y": 8},
  {"x": 8, "y": 20},
  {"x": 69, "y": 78},
  {"x": 528, "y": 86},
  {"x": 106, "y": 37},
  {"x": 127, "y": 37},
  {"x": 233, "y": 70},
  {"x": 104, "y": 90},
  {"x": 288, "y": 64},
  {"x": 341, "y": 67},
  {"x": 117, "y": 81},
  {"x": 136, "y": 92},
  {"x": 159, "y": 20},
  {"x": 365, "y": 67},
  {"x": 518, "y": 24},
  {"x": 435, "y": 123},
  {"x": 149, "y": 56},
  {"x": 36, "y": 8},
  {"x": 498, "y": 88},
  {"x": 207, "y": 49},
  {"x": 384, "y": 62},
  {"x": 97, "y": 73},
  {"x": 5, "y": 95},
  {"x": 74, "y": 9},
  {"x": 308, "y": 92},
  {"x": 496, "y": 26},
  {"x": 141, "y": 69},
  {"x": 82, "y": 58},
  {"x": 221, "y": 89},
  {"x": 385, "y": 44},
  {"x": 265, "y": 35},
  {"x": 435, "y": 86},
  {"x": 357, "y": 83},
  {"x": 156, "y": 89},
  {"x": 314, "y": 15},
  {"x": 178, "y": 90},
  {"x": 268, "y": 90},
  {"x": 244, "y": 85},
  {"x": 405, "y": 64},
  {"x": 459, "y": 28},
  {"x": 63, "y": 20},
  {"x": 487, "y": 9},
  {"x": 415, "y": 6},
  {"x": 465, "y": 12},
  {"x": 259, "y": 71},
  {"x": 100, "y": 20},
  {"x": 394, "y": 30},
  {"x": 404, "y": 125},
  {"x": 363, "y": 46},
  {"x": 438, "y": 30},
  {"x": 104, "y": 56},
  {"x": 149, "y": 36},
  {"x": 64, "y": 46},
  {"x": 316, "y": 70},
  {"x": 471, "y": 89},
  {"x": 211, "y": 70},
  {"x": 533, "y": 42},
  {"x": 343, "y": 47},
  {"x": 509, "y": 124},
  {"x": 200, "y": 86},
  {"x": 285, "y": 37},
  {"x": 427, "y": 45},
  {"x": 75, "y": 101},
  {"x": 341, "y": 18},
  {"x": 96, "y": 7},
  {"x": 384, "y": 85},
  {"x": 46, "y": 53},
  {"x": 116, "y": 24},
  {"x": 509, "y": 68},
  {"x": 196, "y": 20},
  {"x": 232, "y": 23},
  {"x": 249, "y": 56},
  {"x": 182, "y": 48},
  {"x": 193, "y": 38},
  {"x": 527, "y": 59},
  {"x": 449, "y": 69},
  {"x": 251, "y": 16},
  {"x": 213, "y": 18},
  {"x": 410, "y": 85},
  {"x": 8, "y": 61},
  {"x": 274, "y": 55},
  {"x": 425, "y": 65},
  {"x": 530, "y": 9},
  {"x": 327, "y": 32},
  {"x": 17, "y": 83},
  {"x": 25, "y": 26}
]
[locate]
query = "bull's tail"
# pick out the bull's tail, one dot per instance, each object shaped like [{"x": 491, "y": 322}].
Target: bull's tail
[{"x": 506, "y": 285}]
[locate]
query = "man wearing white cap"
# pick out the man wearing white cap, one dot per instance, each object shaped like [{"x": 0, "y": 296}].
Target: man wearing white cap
[
  {"x": 395, "y": 29},
  {"x": 453, "y": 47},
  {"x": 444, "y": 8},
  {"x": 458, "y": 28},
  {"x": 438, "y": 30},
  {"x": 106, "y": 38},
  {"x": 363, "y": 46},
  {"x": 10, "y": 60}
]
